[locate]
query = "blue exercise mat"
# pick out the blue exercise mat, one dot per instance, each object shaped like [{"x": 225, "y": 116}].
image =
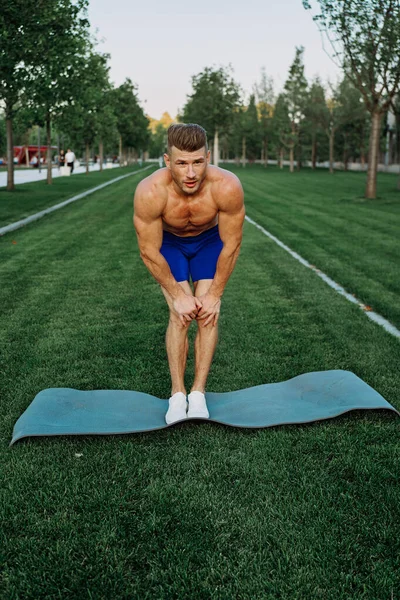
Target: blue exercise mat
[{"x": 305, "y": 398}]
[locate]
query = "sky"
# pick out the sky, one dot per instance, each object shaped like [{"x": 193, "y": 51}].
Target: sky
[{"x": 161, "y": 45}]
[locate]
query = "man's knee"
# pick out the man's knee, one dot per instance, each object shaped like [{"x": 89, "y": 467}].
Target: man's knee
[{"x": 175, "y": 321}]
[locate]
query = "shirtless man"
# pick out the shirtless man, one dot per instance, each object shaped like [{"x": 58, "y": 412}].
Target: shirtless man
[{"x": 189, "y": 218}]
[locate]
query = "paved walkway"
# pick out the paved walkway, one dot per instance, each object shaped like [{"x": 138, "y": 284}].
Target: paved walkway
[{"x": 27, "y": 175}]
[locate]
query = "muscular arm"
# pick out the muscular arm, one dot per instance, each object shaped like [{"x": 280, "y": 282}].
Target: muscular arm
[
  {"x": 148, "y": 224},
  {"x": 230, "y": 224}
]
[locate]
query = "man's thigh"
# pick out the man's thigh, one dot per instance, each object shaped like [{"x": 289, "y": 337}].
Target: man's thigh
[{"x": 202, "y": 286}]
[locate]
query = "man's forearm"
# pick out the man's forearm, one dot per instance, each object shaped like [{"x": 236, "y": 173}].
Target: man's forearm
[
  {"x": 159, "y": 268},
  {"x": 225, "y": 265}
]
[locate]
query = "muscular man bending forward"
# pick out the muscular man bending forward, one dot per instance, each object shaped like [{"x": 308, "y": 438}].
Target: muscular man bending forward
[{"x": 189, "y": 219}]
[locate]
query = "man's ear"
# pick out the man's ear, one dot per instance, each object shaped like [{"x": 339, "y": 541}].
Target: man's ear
[
  {"x": 208, "y": 156},
  {"x": 166, "y": 160}
]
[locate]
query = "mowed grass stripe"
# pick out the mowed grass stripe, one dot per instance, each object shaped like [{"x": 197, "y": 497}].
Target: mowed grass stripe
[
  {"x": 199, "y": 510},
  {"x": 39, "y": 215},
  {"x": 359, "y": 261},
  {"x": 30, "y": 198}
]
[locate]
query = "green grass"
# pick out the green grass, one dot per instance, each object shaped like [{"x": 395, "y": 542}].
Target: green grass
[
  {"x": 198, "y": 510},
  {"x": 30, "y": 198},
  {"x": 326, "y": 219}
]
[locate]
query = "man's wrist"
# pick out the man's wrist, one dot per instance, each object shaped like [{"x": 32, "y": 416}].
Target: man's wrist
[
  {"x": 177, "y": 292},
  {"x": 215, "y": 291}
]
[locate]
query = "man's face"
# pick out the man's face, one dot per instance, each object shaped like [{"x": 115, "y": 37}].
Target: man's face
[{"x": 188, "y": 169}]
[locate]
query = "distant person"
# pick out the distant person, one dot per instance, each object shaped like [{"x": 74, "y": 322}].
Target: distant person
[
  {"x": 61, "y": 159},
  {"x": 70, "y": 158},
  {"x": 34, "y": 162}
]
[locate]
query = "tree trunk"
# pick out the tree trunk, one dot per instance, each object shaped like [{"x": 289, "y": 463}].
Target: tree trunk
[
  {"x": 243, "y": 151},
  {"x": 291, "y": 158},
  {"x": 101, "y": 154},
  {"x": 87, "y": 159},
  {"x": 281, "y": 158},
  {"x": 48, "y": 132},
  {"x": 120, "y": 150},
  {"x": 10, "y": 156},
  {"x": 26, "y": 156},
  {"x": 313, "y": 152},
  {"x": 265, "y": 152},
  {"x": 345, "y": 153},
  {"x": 331, "y": 147},
  {"x": 370, "y": 190},
  {"x": 216, "y": 148}
]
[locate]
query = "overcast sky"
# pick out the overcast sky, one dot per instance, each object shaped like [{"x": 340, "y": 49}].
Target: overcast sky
[{"x": 160, "y": 45}]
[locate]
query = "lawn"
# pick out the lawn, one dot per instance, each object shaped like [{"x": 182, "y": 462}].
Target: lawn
[
  {"x": 30, "y": 198},
  {"x": 327, "y": 220},
  {"x": 200, "y": 510}
]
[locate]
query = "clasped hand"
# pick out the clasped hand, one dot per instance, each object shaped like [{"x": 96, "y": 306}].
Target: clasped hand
[{"x": 205, "y": 308}]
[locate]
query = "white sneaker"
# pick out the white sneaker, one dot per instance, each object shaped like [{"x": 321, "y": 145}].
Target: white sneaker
[
  {"x": 177, "y": 408},
  {"x": 197, "y": 406}
]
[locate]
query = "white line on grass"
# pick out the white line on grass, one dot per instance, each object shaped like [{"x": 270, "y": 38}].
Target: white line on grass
[
  {"x": 338, "y": 288},
  {"x": 41, "y": 214}
]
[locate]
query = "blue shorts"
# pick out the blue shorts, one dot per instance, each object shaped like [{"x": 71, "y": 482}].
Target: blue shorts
[{"x": 194, "y": 256}]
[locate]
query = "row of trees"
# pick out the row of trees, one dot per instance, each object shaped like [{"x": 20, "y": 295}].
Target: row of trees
[
  {"x": 308, "y": 122},
  {"x": 52, "y": 76},
  {"x": 365, "y": 37}
]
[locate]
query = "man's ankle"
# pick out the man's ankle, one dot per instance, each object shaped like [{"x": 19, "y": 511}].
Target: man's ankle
[{"x": 175, "y": 391}]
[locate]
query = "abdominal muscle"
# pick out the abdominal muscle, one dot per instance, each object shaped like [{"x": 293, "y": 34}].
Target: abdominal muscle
[
  {"x": 186, "y": 223},
  {"x": 189, "y": 229}
]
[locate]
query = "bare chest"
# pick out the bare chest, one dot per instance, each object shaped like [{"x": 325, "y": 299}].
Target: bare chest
[{"x": 190, "y": 216}]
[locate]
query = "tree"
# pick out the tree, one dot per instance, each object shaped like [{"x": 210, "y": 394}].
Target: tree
[
  {"x": 315, "y": 115},
  {"x": 282, "y": 127},
  {"x": 330, "y": 122},
  {"x": 295, "y": 90},
  {"x": 61, "y": 48},
  {"x": 352, "y": 118},
  {"x": 265, "y": 97},
  {"x": 82, "y": 116},
  {"x": 365, "y": 40},
  {"x": 18, "y": 22},
  {"x": 251, "y": 131},
  {"x": 132, "y": 123},
  {"x": 158, "y": 141},
  {"x": 158, "y": 138},
  {"x": 211, "y": 105},
  {"x": 107, "y": 131}
]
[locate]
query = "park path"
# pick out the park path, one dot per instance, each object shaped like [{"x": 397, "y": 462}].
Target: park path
[{"x": 28, "y": 175}]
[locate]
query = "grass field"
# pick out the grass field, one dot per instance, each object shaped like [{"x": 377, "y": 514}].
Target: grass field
[
  {"x": 200, "y": 510},
  {"x": 30, "y": 198}
]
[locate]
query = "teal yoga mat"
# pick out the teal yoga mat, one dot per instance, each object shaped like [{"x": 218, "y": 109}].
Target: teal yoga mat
[{"x": 303, "y": 399}]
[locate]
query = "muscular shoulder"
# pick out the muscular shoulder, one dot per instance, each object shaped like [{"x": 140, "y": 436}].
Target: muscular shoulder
[
  {"x": 151, "y": 195},
  {"x": 227, "y": 190}
]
